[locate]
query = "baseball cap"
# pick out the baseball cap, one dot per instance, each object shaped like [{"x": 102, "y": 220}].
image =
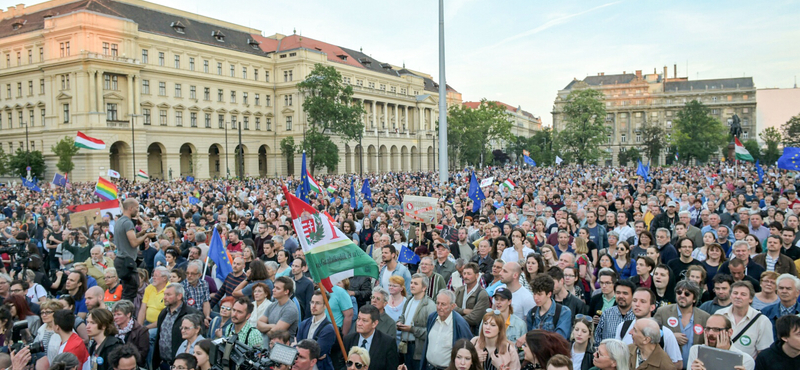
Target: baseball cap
[
  {"x": 670, "y": 204},
  {"x": 502, "y": 292}
]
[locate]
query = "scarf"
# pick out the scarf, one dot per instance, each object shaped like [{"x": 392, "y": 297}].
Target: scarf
[{"x": 124, "y": 331}]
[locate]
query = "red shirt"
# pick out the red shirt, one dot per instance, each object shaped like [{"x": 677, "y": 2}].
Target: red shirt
[
  {"x": 75, "y": 346},
  {"x": 235, "y": 247}
]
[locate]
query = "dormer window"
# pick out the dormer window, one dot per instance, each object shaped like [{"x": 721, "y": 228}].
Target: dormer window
[
  {"x": 218, "y": 35},
  {"x": 253, "y": 43},
  {"x": 386, "y": 66},
  {"x": 178, "y": 27},
  {"x": 17, "y": 25},
  {"x": 342, "y": 57},
  {"x": 365, "y": 61}
]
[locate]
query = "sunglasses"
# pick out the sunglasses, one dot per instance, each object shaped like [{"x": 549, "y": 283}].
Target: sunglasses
[
  {"x": 489, "y": 310},
  {"x": 684, "y": 293},
  {"x": 582, "y": 317},
  {"x": 358, "y": 365}
]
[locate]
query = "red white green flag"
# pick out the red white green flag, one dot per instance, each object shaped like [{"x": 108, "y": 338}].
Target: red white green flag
[
  {"x": 330, "y": 254},
  {"x": 742, "y": 154}
]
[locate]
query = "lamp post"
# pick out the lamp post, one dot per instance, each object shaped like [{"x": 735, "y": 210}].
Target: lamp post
[
  {"x": 227, "y": 153},
  {"x": 241, "y": 153}
]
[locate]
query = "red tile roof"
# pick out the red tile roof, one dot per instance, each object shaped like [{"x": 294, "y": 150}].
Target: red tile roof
[{"x": 296, "y": 42}]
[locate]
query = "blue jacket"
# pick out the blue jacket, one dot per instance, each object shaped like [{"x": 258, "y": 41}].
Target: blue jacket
[
  {"x": 324, "y": 336},
  {"x": 773, "y": 311},
  {"x": 402, "y": 271},
  {"x": 563, "y": 326},
  {"x": 461, "y": 330},
  {"x": 602, "y": 237}
]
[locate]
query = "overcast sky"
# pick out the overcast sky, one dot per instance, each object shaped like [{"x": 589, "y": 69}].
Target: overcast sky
[{"x": 522, "y": 52}]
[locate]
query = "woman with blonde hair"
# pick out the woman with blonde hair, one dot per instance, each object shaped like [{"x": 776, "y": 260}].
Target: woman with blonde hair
[
  {"x": 45, "y": 333},
  {"x": 495, "y": 351},
  {"x": 396, "y": 298},
  {"x": 358, "y": 359}
]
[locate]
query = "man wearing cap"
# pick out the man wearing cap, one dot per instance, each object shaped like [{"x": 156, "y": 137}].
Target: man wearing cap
[
  {"x": 443, "y": 265},
  {"x": 515, "y": 326},
  {"x": 666, "y": 219}
]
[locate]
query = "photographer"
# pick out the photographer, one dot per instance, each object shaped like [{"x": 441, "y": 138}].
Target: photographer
[
  {"x": 128, "y": 241},
  {"x": 52, "y": 242},
  {"x": 81, "y": 251}
]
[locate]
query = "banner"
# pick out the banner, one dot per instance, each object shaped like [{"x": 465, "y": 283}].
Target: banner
[
  {"x": 420, "y": 209},
  {"x": 487, "y": 182}
]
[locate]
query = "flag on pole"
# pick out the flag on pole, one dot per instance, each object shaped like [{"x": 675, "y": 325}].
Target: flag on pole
[
  {"x": 790, "y": 158},
  {"x": 113, "y": 174},
  {"x": 330, "y": 253},
  {"x": 760, "y": 172},
  {"x": 31, "y": 184},
  {"x": 741, "y": 153},
  {"x": 59, "y": 180},
  {"x": 475, "y": 193},
  {"x": 366, "y": 190},
  {"x": 313, "y": 184},
  {"x": 559, "y": 160},
  {"x": 353, "y": 202},
  {"x": 143, "y": 175},
  {"x": 105, "y": 189},
  {"x": 676, "y": 157},
  {"x": 529, "y": 161},
  {"x": 218, "y": 254},
  {"x": 643, "y": 171},
  {"x": 407, "y": 256},
  {"x": 331, "y": 188},
  {"x": 304, "y": 187},
  {"x": 509, "y": 184},
  {"x": 86, "y": 142}
]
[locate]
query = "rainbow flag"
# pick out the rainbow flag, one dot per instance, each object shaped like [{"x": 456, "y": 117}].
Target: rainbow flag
[{"x": 105, "y": 189}]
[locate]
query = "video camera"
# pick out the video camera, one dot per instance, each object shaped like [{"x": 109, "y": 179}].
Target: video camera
[
  {"x": 231, "y": 354},
  {"x": 17, "y": 339}
]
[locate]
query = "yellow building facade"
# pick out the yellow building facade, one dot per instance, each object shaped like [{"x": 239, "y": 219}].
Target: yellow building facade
[{"x": 168, "y": 92}]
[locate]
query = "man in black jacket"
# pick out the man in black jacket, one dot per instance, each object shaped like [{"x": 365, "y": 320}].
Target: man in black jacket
[
  {"x": 168, "y": 336},
  {"x": 382, "y": 348},
  {"x": 785, "y": 352},
  {"x": 563, "y": 296}
]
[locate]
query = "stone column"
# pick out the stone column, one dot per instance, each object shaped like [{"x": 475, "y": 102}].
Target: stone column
[
  {"x": 99, "y": 91},
  {"x": 421, "y": 123},
  {"x": 172, "y": 161},
  {"x": 92, "y": 93},
  {"x": 374, "y": 115},
  {"x": 136, "y": 95},
  {"x": 251, "y": 165},
  {"x": 396, "y": 121},
  {"x": 405, "y": 120}
]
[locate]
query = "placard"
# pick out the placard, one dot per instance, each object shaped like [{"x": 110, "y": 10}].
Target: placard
[{"x": 420, "y": 209}]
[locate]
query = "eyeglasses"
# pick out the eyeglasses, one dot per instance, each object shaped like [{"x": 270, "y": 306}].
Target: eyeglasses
[
  {"x": 226, "y": 308},
  {"x": 15, "y": 291},
  {"x": 710, "y": 328},
  {"x": 490, "y": 310},
  {"x": 684, "y": 293},
  {"x": 47, "y": 312},
  {"x": 358, "y": 365}
]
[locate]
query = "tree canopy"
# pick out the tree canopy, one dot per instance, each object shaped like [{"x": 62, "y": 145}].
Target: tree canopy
[
  {"x": 584, "y": 127},
  {"x": 65, "y": 149},
  {"x": 696, "y": 134},
  {"x": 772, "y": 138},
  {"x": 471, "y": 132}
]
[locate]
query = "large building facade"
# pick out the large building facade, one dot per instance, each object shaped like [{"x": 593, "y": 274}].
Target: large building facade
[
  {"x": 631, "y": 99},
  {"x": 168, "y": 91}
]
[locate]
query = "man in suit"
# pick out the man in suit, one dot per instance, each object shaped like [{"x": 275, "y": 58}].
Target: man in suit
[
  {"x": 382, "y": 348},
  {"x": 169, "y": 321},
  {"x": 692, "y": 232},
  {"x": 471, "y": 300},
  {"x": 683, "y": 318},
  {"x": 443, "y": 325},
  {"x": 320, "y": 329}
]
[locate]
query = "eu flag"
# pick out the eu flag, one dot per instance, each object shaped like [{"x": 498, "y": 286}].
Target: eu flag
[
  {"x": 218, "y": 254},
  {"x": 475, "y": 193},
  {"x": 760, "y": 172},
  {"x": 408, "y": 256},
  {"x": 790, "y": 160},
  {"x": 353, "y": 203},
  {"x": 643, "y": 171},
  {"x": 59, "y": 180},
  {"x": 305, "y": 187},
  {"x": 193, "y": 200},
  {"x": 529, "y": 161},
  {"x": 31, "y": 184},
  {"x": 366, "y": 190}
]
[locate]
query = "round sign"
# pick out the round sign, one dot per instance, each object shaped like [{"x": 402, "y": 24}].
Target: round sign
[
  {"x": 672, "y": 321},
  {"x": 745, "y": 340},
  {"x": 190, "y": 302},
  {"x": 28, "y": 168},
  {"x": 410, "y": 206},
  {"x": 698, "y": 329}
]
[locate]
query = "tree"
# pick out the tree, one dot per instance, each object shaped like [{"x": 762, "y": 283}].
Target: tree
[
  {"x": 791, "y": 132},
  {"x": 541, "y": 147},
  {"x": 18, "y": 163},
  {"x": 288, "y": 148},
  {"x": 654, "y": 140},
  {"x": 4, "y": 168},
  {"x": 772, "y": 137},
  {"x": 629, "y": 155},
  {"x": 330, "y": 110},
  {"x": 584, "y": 129},
  {"x": 696, "y": 134},
  {"x": 754, "y": 149},
  {"x": 622, "y": 158},
  {"x": 65, "y": 149},
  {"x": 500, "y": 157},
  {"x": 471, "y": 132}
]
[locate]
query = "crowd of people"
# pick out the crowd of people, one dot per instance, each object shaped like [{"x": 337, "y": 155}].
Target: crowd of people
[{"x": 565, "y": 268}]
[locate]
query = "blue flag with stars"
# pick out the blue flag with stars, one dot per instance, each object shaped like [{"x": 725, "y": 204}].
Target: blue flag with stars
[
  {"x": 366, "y": 190},
  {"x": 31, "y": 184},
  {"x": 218, "y": 254},
  {"x": 305, "y": 188},
  {"x": 790, "y": 160},
  {"x": 643, "y": 171},
  {"x": 353, "y": 203},
  {"x": 529, "y": 161},
  {"x": 760, "y": 172},
  {"x": 408, "y": 256},
  {"x": 475, "y": 193}
]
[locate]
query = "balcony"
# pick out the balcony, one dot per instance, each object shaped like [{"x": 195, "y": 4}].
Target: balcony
[
  {"x": 92, "y": 55},
  {"x": 117, "y": 124}
]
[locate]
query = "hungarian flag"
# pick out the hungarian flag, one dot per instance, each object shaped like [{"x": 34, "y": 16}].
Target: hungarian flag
[
  {"x": 313, "y": 184},
  {"x": 331, "y": 188},
  {"x": 330, "y": 253},
  {"x": 741, "y": 153},
  {"x": 509, "y": 184},
  {"x": 86, "y": 142},
  {"x": 143, "y": 175}
]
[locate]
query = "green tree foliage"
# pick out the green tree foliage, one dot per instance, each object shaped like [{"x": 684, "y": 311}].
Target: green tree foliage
[
  {"x": 754, "y": 149},
  {"x": 470, "y": 132},
  {"x": 540, "y": 145},
  {"x": 330, "y": 110},
  {"x": 791, "y": 132},
  {"x": 4, "y": 168},
  {"x": 654, "y": 140},
  {"x": 631, "y": 155},
  {"x": 584, "y": 127},
  {"x": 696, "y": 134},
  {"x": 771, "y": 137},
  {"x": 65, "y": 149},
  {"x": 288, "y": 148},
  {"x": 22, "y": 159}
]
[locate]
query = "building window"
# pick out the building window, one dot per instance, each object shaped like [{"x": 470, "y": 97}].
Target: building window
[
  {"x": 8, "y": 91},
  {"x": 42, "y": 110},
  {"x": 219, "y": 69},
  {"x": 161, "y": 58},
  {"x": 269, "y": 124},
  {"x": 244, "y": 98},
  {"x": 21, "y": 124},
  {"x": 745, "y": 110},
  {"x": 287, "y": 76},
  {"x": 266, "y": 76},
  {"x": 65, "y": 48},
  {"x": 193, "y": 119},
  {"x": 162, "y": 88},
  {"x": 107, "y": 82},
  {"x": 19, "y": 89},
  {"x": 111, "y": 112},
  {"x": 162, "y": 117},
  {"x": 715, "y": 111},
  {"x": 105, "y": 48},
  {"x": 178, "y": 91},
  {"x": 191, "y": 64},
  {"x": 206, "y": 93},
  {"x": 31, "y": 120},
  {"x": 146, "y": 114},
  {"x": 371, "y": 85},
  {"x": 244, "y": 72},
  {"x": 268, "y": 100},
  {"x": 146, "y": 87},
  {"x": 8, "y": 60},
  {"x": 287, "y": 100},
  {"x": 208, "y": 120},
  {"x": 233, "y": 71},
  {"x": 205, "y": 66},
  {"x": 246, "y": 123},
  {"x": 192, "y": 92},
  {"x": 177, "y": 61},
  {"x": 112, "y": 82},
  {"x": 745, "y": 122},
  {"x": 609, "y": 139},
  {"x": 10, "y": 120},
  {"x": 669, "y": 124},
  {"x": 145, "y": 57},
  {"x": 219, "y": 95},
  {"x": 30, "y": 56},
  {"x": 233, "y": 96},
  {"x": 221, "y": 121},
  {"x": 289, "y": 123},
  {"x": 179, "y": 118},
  {"x": 19, "y": 58},
  {"x": 383, "y": 87},
  {"x": 258, "y": 99},
  {"x": 714, "y": 99},
  {"x": 745, "y": 134},
  {"x": 66, "y": 114},
  {"x": 623, "y": 138},
  {"x": 41, "y": 86},
  {"x": 114, "y": 50},
  {"x": 638, "y": 138},
  {"x": 30, "y": 88},
  {"x": 255, "y": 74},
  {"x": 233, "y": 122},
  {"x": 41, "y": 54},
  {"x": 258, "y": 124}
]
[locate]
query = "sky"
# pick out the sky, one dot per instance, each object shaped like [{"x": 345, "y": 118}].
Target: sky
[{"x": 521, "y": 52}]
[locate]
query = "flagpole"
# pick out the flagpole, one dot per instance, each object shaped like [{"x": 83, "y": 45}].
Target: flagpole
[
  {"x": 330, "y": 313},
  {"x": 205, "y": 268}
]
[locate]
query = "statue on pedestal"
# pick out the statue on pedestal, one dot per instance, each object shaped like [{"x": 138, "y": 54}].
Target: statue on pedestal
[{"x": 736, "y": 126}]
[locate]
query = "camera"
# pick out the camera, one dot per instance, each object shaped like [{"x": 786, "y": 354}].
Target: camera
[
  {"x": 35, "y": 347},
  {"x": 231, "y": 354},
  {"x": 17, "y": 332}
]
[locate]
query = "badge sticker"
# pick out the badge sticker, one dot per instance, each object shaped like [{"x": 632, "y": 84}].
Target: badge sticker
[
  {"x": 698, "y": 329},
  {"x": 99, "y": 360},
  {"x": 745, "y": 340},
  {"x": 191, "y": 301},
  {"x": 672, "y": 321}
]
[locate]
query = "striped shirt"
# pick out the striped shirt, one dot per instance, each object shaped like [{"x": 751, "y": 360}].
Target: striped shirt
[{"x": 230, "y": 283}]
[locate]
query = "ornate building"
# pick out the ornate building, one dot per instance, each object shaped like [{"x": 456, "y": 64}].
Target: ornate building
[
  {"x": 169, "y": 91},
  {"x": 632, "y": 99}
]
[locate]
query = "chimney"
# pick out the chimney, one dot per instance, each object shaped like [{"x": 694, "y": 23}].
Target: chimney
[
  {"x": 675, "y": 75},
  {"x": 665, "y": 73},
  {"x": 624, "y": 72},
  {"x": 639, "y": 74},
  {"x": 602, "y": 73}
]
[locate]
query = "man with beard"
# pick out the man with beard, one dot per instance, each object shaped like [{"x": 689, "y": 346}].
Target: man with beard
[
  {"x": 612, "y": 317},
  {"x": 643, "y": 305},
  {"x": 722, "y": 289},
  {"x": 683, "y": 318},
  {"x": 717, "y": 334},
  {"x": 391, "y": 267}
]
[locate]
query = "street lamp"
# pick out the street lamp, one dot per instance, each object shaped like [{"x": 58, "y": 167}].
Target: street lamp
[{"x": 227, "y": 161}]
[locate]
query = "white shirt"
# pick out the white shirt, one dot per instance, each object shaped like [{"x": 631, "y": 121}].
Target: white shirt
[
  {"x": 748, "y": 362},
  {"x": 671, "y": 346},
  {"x": 757, "y": 338},
  {"x": 440, "y": 342},
  {"x": 522, "y": 301},
  {"x": 511, "y": 255},
  {"x": 258, "y": 311},
  {"x": 314, "y": 325},
  {"x": 625, "y": 232}
]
